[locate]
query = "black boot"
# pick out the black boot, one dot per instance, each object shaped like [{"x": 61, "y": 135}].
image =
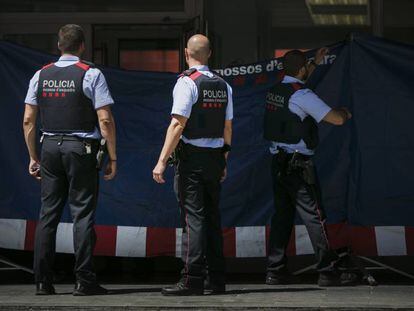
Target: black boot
[
  {"x": 180, "y": 289},
  {"x": 280, "y": 277},
  {"x": 89, "y": 290},
  {"x": 214, "y": 288},
  {"x": 44, "y": 289},
  {"x": 329, "y": 278}
]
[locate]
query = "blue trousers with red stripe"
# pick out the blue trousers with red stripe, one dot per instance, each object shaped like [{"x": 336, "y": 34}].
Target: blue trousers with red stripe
[
  {"x": 293, "y": 194},
  {"x": 198, "y": 180}
]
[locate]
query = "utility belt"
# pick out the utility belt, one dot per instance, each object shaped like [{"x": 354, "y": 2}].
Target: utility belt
[
  {"x": 183, "y": 150},
  {"x": 296, "y": 162},
  {"x": 89, "y": 143},
  {"x": 61, "y": 138}
]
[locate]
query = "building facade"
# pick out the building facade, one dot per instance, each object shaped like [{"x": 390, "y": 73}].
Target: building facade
[{"x": 151, "y": 35}]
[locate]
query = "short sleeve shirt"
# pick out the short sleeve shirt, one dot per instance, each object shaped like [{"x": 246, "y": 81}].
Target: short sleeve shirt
[
  {"x": 94, "y": 87},
  {"x": 185, "y": 95},
  {"x": 303, "y": 103}
]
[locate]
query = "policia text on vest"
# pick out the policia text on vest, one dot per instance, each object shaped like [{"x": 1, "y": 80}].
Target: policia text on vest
[
  {"x": 281, "y": 124},
  {"x": 64, "y": 108},
  {"x": 209, "y": 112}
]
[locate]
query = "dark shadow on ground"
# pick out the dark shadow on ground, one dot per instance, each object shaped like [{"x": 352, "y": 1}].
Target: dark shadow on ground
[
  {"x": 125, "y": 291},
  {"x": 270, "y": 290}
]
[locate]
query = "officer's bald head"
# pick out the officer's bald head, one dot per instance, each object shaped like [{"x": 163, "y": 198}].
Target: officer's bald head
[{"x": 198, "y": 49}]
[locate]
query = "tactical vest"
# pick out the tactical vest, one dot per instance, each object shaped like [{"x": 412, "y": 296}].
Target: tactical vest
[
  {"x": 284, "y": 126},
  {"x": 64, "y": 108},
  {"x": 209, "y": 112}
]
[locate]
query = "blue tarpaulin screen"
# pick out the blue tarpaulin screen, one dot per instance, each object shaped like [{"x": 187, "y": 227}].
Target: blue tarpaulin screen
[{"x": 366, "y": 167}]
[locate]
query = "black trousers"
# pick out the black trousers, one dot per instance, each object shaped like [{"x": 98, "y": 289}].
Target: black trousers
[
  {"x": 292, "y": 194},
  {"x": 69, "y": 174},
  {"x": 198, "y": 180}
]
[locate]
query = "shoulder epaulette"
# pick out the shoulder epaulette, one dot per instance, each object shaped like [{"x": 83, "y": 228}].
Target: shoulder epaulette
[
  {"x": 82, "y": 65},
  {"x": 297, "y": 86},
  {"x": 217, "y": 74},
  {"x": 188, "y": 72},
  {"x": 90, "y": 64},
  {"x": 192, "y": 73},
  {"x": 48, "y": 65}
]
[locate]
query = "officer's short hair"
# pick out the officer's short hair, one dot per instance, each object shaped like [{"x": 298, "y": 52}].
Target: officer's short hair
[
  {"x": 293, "y": 61},
  {"x": 71, "y": 37}
]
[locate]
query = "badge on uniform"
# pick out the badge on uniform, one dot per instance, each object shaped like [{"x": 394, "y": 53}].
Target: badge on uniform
[{"x": 88, "y": 148}]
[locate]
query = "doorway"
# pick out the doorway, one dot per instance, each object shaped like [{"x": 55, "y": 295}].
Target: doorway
[{"x": 142, "y": 47}]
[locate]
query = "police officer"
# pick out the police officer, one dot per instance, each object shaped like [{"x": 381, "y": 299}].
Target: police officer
[
  {"x": 74, "y": 102},
  {"x": 291, "y": 117},
  {"x": 201, "y": 130}
]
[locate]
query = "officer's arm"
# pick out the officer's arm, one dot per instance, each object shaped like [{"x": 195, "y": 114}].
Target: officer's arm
[
  {"x": 172, "y": 138},
  {"x": 107, "y": 126},
  {"x": 29, "y": 128},
  {"x": 319, "y": 56},
  {"x": 337, "y": 116},
  {"x": 228, "y": 129}
]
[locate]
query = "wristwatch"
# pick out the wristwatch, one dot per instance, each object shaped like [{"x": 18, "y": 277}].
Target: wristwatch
[{"x": 226, "y": 148}]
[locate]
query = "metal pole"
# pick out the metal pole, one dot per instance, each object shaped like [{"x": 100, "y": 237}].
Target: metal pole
[
  {"x": 377, "y": 17},
  {"x": 410, "y": 276},
  {"x": 14, "y": 265}
]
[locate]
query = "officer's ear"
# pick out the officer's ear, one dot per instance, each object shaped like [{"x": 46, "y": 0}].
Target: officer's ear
[
  {"x": 187, "y": 56},
  {"x": 58, "y": 45},
  {"x": 302, "y": 72},
  {"x": 82, "y": 48}
]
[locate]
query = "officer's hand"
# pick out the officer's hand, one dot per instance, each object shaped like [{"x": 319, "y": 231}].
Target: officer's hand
[
  {"x": 348, "y": 113},
  {"x": 224, "y": 176},
  {"x": 320, "y": 54},
  {"x": 110, "y": 170},
  {"x": 158, "y": 171},
  {"x": 34, "y": 169}
]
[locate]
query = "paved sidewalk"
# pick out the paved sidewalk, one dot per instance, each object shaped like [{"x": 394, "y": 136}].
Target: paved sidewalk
[{"x": 238, "y": 297}]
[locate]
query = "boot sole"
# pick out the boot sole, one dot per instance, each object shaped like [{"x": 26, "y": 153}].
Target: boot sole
[
  {"x": 214, "y": 292},
  {"x": 281, "y": 281},
  {"x": 277, "y": 283},
  {"x": 88, "y": 294},
  {"x": 44, "y": 294},
  {"x": 183, "y": 294},
  {"x": 327, "y": 284}
]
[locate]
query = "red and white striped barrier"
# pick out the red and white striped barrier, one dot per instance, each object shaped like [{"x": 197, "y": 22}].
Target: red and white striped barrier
[{"x": 240, "y": 242}]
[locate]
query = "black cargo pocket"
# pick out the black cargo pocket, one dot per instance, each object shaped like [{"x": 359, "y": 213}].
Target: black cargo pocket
[
  {"x": 223, "y": 161},
  {"x": 77, "y": 148},
  {"x": 202, "y": 121}
]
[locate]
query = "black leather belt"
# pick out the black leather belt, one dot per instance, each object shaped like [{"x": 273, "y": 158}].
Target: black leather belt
[
  {"x": 282, "y": 154},
  {"x": 192, "y": 148},
  {"x": 60, "y": 138}
]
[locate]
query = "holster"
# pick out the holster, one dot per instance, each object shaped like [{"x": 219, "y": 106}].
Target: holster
[
  {"x": 177, "y": 155},
  {"x": 101, "y": 154},
  {"x": 309, "y": 175},
  {"x": 282, "y": 158},
  {"x": 307, "y": 169},
  {"x": 296, "y": 162}
]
